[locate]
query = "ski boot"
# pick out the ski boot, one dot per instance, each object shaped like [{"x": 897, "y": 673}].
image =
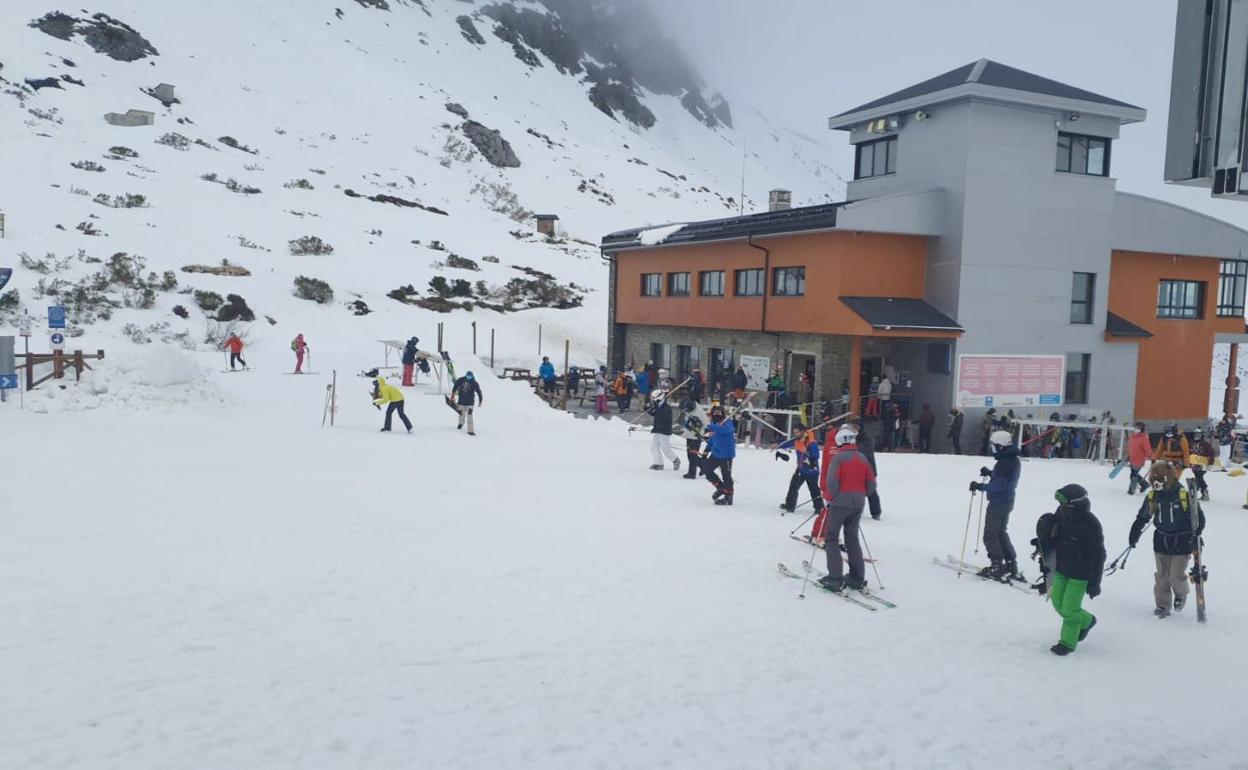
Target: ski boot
[
  {"x": 1060, "y": 650},
  {"x": 725, "y": 500},
  {"x": 719, "y": 492},
  {"x": 1162, "y": 612},
  {"x": 994, "y": 571},
  {"x": 676, "y": 464},
  {"x": 1012, "y": 573},
  {"x": 688, "y": 475},
  {"x": 656, "y": 467},
  {"x": 856, "y": 584},
  {"x": 1179, "y": 603},
  {"x": 1084, "y": 633},
  {"x": 835, "y": 585},
  {"x": 1204, "y": 496},
  {"x": 787, "y": 508}
]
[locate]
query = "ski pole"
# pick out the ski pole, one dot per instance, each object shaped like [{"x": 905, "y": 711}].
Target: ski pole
[
  {"x": 970, "y": 507},
  {"x": 863, "y": 534},
  {"x": 806, "y": 572},
  {"x": 799, "y": 526},
  {"x": 1114, "y": 566},
  {"x": 979, "y": 524}
]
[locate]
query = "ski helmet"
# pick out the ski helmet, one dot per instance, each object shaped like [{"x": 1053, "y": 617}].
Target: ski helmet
[
  {"x": 468, "y": 376},
  {"x": 845, "y": 436},
  {"x": 1001, "y": 438},
  {"x": 1071, "y": 494},
  {"x": 1198, "y": 431}
]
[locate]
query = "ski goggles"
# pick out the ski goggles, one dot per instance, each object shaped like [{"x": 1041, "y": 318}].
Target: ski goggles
[{"x": 1064, "y": 500}]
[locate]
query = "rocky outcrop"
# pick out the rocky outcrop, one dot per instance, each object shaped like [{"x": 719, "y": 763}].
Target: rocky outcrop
[
  {"x": 103, "y": 33},
  {"x": 491, "y": 144},
  {"x": 469, "y": 30}
]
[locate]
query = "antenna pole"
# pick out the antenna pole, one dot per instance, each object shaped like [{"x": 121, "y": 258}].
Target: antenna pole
[{"x": 741, "y": 204}]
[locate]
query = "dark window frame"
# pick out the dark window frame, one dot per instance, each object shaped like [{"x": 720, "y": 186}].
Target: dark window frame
[
  {"x": 651, "y": 281},
  {"x": 1173, "y": 305},
  {"x": 939, "y": 358},
  {"x": 1066, "y": 154},
  {"x": 780, "y": 285},
  {"x": 661, "y": 355},
  {"x": 738, "y": 275},
  {"x": 1077, "y": 386},
  {"x": 888, "y": 144},
  {"x": 688, "y": 358},
  {"x": 703, "y": 275},
  {"x": 1232, "y": 282},
  {"x": 672, "y": 290},
  {"x": 1085, "y": 304}
]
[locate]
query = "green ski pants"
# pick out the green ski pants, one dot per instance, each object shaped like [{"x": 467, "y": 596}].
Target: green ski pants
[{"x": 1067, "y": 595}]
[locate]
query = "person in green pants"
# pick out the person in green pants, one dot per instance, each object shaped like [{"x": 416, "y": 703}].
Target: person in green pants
[{"x": 1072, "y": 550}]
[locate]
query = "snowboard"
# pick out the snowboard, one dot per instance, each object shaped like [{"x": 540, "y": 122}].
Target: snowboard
[{"x": 1113, "y": 474}]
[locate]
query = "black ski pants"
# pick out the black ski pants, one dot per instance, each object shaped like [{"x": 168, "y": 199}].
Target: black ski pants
[
  {"x": 795, "y": 484},
  {"x": 1201, "y": 484},
  {"x": 693, "y": 451},
  {"x": 996, "y": 532},
  {"x": 956, "y": 438},
  {"x": 1136, "y": 481},
  {"x": 713, "y": 467},
  {"x": 925, "y": 438},
  {"x": 237, "y": 358},
  {"x": 396, "y": 406}
]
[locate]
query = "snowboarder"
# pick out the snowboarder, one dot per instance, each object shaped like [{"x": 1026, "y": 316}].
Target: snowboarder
[
  {"x": 661, "y": 432},
  {"x": 1002, "y": 482},
  {"x": 721, "y": 435},
  {"x": 300, "y": 347},
  {"x": 409, "y": 361},
  {"x": 927, "y": 421},
  {"x": 846, "y": 482},
  {"x": 1072, "y": 547},
  {"x": 392, "y": 398},
  {"x": 1139, "y": 452},
  {"x": 547, "y": 372},
  {"x": 694, "y": 426},
  {"x": 467, "y": 395},
  {"x": 806, "y": 471},
  {"x": 865, "y": 445},
  {"x": 600, "y": 391},
  {"x": 234, "y": 344},
  {"x": 956, "y": 421},
  {"x": 1173, "y": 447},
  {"x": 1169, "y": 506}
]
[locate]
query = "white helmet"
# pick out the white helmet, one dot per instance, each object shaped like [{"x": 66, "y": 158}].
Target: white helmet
[
  {"x": 658, "y": 395},
  {"x": 845, "y": 435},
  {"x": 1001, "y": 438}
]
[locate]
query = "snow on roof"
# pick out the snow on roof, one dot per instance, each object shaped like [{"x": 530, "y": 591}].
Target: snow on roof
[{"x": 653, "y": 236}]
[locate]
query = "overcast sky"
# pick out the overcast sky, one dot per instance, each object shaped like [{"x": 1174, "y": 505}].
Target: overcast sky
[{"x": 801, "y": 61}]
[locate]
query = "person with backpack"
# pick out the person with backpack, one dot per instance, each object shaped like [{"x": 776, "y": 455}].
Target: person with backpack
[
  {"x": 408, "y": 359},
  {"x": 721, "y": 436},
  {"x": 1139, "y": 452},
  {"x": 999, "y": 489},
  {"x": 234, "y": 344},
  {"x": 956, "y": 420},
  {"x": 547, "y": 374},
  {"x": 845, "y": 482},
  {"x": 574, "y": 381},
  {"x": 467, "y": 395},
  {"x": 661, "y": 432},
  {"x": 1173, "y": 447},
  {"x": 385, "y": 394},
  {"x": 1224, "y": 434},
  {"x": 600, "y": 391},
  {"x": 1071, "y": 545},
  {"x": 1178, "y": 522},
  {"x": 806, "y": 467},
  {"x": 1201, "y": 457},
  {"x": 300, "y": 348},
  {"x": 694, "y": 425}
]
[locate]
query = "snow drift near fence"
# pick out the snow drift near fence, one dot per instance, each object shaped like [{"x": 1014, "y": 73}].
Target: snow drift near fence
[{"x": 158, "y": 377}]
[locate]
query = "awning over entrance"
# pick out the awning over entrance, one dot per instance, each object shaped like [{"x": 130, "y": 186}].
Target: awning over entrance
[
  {"x": 1225, "y": 338},
  {"x": 900, "y": 313},
  {"x": 1117, "y": 326}
]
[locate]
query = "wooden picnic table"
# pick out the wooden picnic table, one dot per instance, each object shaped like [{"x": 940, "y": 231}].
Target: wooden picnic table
[{"x": 517, "y": 373}]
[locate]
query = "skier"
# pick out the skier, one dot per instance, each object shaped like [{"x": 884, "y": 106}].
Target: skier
[
  {"x": 694, "y": 426},
  {"x": 1072, "y": 546},
  {"x": 697, "y": 386},
  {"x": 600, "y": 391},
  {"x": 547, "y": 373},
  {"x": 661, "y": 433},
  {"x": 956, "y": 420},
  {"x": 409, "y": 361},
  {"x": 1169, "y": 506},
  {"x": 467, "y": 395},
  {"x": 806, "y": 471},
  {"x": 1173, "y": 447},
  {"x": 927, "y": 421},
  {"x": 1225, "y": 435},
  {"x": 1202, "y": 455},
  {"x": 644, "y": 386},
  {"x": 865, "y": 445},
  {"x": 392, "y": 397},
  {"x": 1002, "y": 482},
  {"x": 235, "y": 345},
  {"x": 721, "y": 435},
  {"x": 300, "y": 348},
  {"x": 846, "y": 482},
  {"x": 1139, "y": 451}
]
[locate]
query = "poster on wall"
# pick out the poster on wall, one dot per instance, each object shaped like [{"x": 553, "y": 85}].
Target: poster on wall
[
  {"x": 758, "y": 369},
  {"x": 1006, "y": 381}
]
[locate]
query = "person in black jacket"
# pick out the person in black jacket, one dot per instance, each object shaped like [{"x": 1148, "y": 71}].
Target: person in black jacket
[
  {"x": 1178, "y": 523},
  {"x": 467, "y": 395},
  {"x": 409, "y": 361},
  {"x": 661, "y": 433},
  {"x": 1072, "y": 549},
  {"x": 956, "y": 419},
  {"x": 866, "y": 448}
]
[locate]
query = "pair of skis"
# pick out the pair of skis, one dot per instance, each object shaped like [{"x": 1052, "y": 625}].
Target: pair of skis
[
  {"x": 962, "y": 567},
  {"x": 814, "y": 574},
  {"x": 805, "y": 540}
]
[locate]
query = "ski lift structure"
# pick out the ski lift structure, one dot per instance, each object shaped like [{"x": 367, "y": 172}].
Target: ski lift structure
[{"x": 437, "y": 362}]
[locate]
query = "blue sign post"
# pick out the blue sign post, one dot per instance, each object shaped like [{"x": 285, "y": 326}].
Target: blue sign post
[
  {"x": 56, "y": 317},
  {"x": 8, "y": 382}
]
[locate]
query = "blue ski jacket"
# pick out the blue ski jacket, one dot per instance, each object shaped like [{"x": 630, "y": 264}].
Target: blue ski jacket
[
  {"x": 807, "y": 451},
  {"x": 723, "y": 441},
  {"x": 1005, "y": 475},
  {"x": 546, "y": 371}
]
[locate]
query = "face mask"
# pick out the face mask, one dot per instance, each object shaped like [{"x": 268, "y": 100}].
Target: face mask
[{"x": 1158, "y": 485}]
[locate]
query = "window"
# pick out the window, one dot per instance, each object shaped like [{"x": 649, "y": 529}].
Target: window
[
  {"x": 1082, "y": 294},
  {"x": 1232, "y": 280},
  {"x": 788, "y": 281},
  {"x": 1079, "y": 154},
  {"x": 661, "y": 355},
  {"x": 876, "y": 158},
  {"x": 651, "y": 284},
  {"x": 721, "y": 366},
  {"x": 711, "y": 283},
  {"x": 688, "y": 358},
  {"x": 750, "y": 283},
  {"x": 1077, "y": 367},
  {"x": 678, "y": 284},
  {"x": 1181, "y": 299},
  {"x": 939, "y": 358}
]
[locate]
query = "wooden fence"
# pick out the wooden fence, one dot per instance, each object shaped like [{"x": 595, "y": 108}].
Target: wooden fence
[{"x": 59, "y": 360}]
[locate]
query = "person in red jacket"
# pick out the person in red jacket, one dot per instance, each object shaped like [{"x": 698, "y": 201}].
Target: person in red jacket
[
  {"x": 846, "y": 481},
  {"x": 1139, "y": 452},
  {"x": 235, "y": 345}
]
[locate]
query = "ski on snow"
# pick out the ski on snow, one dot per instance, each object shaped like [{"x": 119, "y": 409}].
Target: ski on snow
[
  {"x": 874, "y": 597},
  {"x": 815, "y": 575},
  {"x": 805, "y": 540},
  {"x": 972, "y": 570}
]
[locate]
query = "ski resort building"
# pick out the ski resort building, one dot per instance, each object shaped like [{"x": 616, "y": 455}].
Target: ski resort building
[{"x": 983, "y": 225}]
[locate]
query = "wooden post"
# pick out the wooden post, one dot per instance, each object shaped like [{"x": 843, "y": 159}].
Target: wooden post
[
  {"x": 440, "y": 348},
  {"x": 855, "y": 375},
  {"x": 539, "y": 339},
  {"x": 1230, "y": 402},
  {"x": 491, "y": 348},
  {"x": 474, "y": 338},
  {"x": 58, "y": 364},
  {"x": 567, "y": 350}
]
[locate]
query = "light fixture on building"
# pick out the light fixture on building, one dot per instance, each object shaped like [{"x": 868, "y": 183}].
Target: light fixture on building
[
  {"x": 921, "y": 115},
  {"x": 1072, "y": 117}
]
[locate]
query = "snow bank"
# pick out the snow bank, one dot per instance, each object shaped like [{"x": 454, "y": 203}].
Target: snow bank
[
  {"x": 158, "y": 377},
  {"x": 656, "y": 235}
]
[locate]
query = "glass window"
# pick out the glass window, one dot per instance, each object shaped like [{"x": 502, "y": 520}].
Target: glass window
[
  {"x": 863, "y": 168},
  {"x": 1232, "y": 107},
  {"x": 876, "y": 158},
  {"x": 1082, "y": 295},
  {"x": 711, "y": 283},
  {"x": 678, "y": 284},
  {"x": 1079, "y": 154},
  {"x": 750, "y": 283},
  {"x": 939, "y": 358},
  {"x": 1063, "y": 152},
  {"x": 688, "y": 358},
  {"x": 788, "y": 281},
  {"x": 1077, "y": 369},
  {"x": 1232, "y": 280},
  {"x": 1096, "y": 157},
  {"x": 651, "y": 284},
  {"x": 1180, "y": 299},
  {"x": 720, "y": 370},
  {"x": 661, "y": 355},
  {"x": 880, "y": 166}
]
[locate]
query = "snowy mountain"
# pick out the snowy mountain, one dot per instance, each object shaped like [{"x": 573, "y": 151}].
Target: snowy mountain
[{"x": 414, "y": 138}]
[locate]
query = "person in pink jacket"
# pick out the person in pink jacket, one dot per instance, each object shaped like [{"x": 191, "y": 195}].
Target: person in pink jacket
[{"x": 1139, "y": 452}]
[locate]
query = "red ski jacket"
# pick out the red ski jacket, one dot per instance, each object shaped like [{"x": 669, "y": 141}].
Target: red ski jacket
[{"x": 846, "y": 477}]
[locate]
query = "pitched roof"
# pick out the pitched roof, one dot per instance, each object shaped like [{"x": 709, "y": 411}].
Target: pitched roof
[
  {"x": 796, "y": 220},
  {"x": 1117, "y": 326},
  {"x": 989, "y": 73},
  {"x": 900, "y": 313}
]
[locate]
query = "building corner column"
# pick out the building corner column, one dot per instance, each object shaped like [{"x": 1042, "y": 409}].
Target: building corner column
[
  {"x": 855, "y": 374},
  {"x": 1230, "y": 402}
]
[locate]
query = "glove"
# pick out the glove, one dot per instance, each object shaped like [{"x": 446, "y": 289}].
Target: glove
[
  {"x": 782, "y": 456},
  {"x": 976, "y": 486},
  {"x": 985, "y": 471},
  {"x": 1094, "y": 589}
]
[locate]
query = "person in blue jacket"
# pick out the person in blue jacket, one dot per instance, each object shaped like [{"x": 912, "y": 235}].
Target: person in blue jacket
[
  {"x": 547, "y": 372},
  {"x": 1002, "y": 482},
  {"x": 806, "y": 456},
  {"x": 644, "y": 386},
  {"x": 721, "y": 436}
]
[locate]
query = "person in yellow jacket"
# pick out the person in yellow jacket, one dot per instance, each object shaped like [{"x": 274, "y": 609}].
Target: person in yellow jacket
[
  {"x": 385, "y": 393},
  {"x": 1173, "y": 448}
]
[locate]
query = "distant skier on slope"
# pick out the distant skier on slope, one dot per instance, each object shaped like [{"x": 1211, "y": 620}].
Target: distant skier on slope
[
  {"x": 806, "y": 467},
  {"x": 694, "y": 425},
  {"x": 661, "y": 432},
  {"x": 386, "y": 394},
  {"x": 721, "y": 436},
  {"x": 409, "y": 361},
  {"x": 1072, "y": 547},
  {"x": 1169, "y": 506},
  {"x": 234, "y": 344},
  {"x": 300, "y": 348},
  {"x": 467, "y": 395},
  {"x": 846, "y": 481},
  {"x": 1002, "y": 483},
  {"x": 1139, "y": 452}
]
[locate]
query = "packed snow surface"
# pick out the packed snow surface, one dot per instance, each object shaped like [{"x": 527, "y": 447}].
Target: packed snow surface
[{"x": 236, "y": 586}]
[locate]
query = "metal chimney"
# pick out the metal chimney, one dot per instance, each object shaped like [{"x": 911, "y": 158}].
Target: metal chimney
[{"x": 779, "y": 200}]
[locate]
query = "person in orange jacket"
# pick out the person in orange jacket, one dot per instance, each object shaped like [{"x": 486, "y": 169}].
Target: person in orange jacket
[
  {"x": 235, "y": 345},
  {"x": 1173, "y": 448},
  {"x": 1139, "y": 452}
]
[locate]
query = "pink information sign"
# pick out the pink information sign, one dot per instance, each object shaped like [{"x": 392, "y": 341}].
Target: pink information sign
[{"x": 991, "y": 380}]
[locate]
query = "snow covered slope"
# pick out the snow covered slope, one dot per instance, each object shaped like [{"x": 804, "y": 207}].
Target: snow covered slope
[{"x": 353, "y": 123}]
